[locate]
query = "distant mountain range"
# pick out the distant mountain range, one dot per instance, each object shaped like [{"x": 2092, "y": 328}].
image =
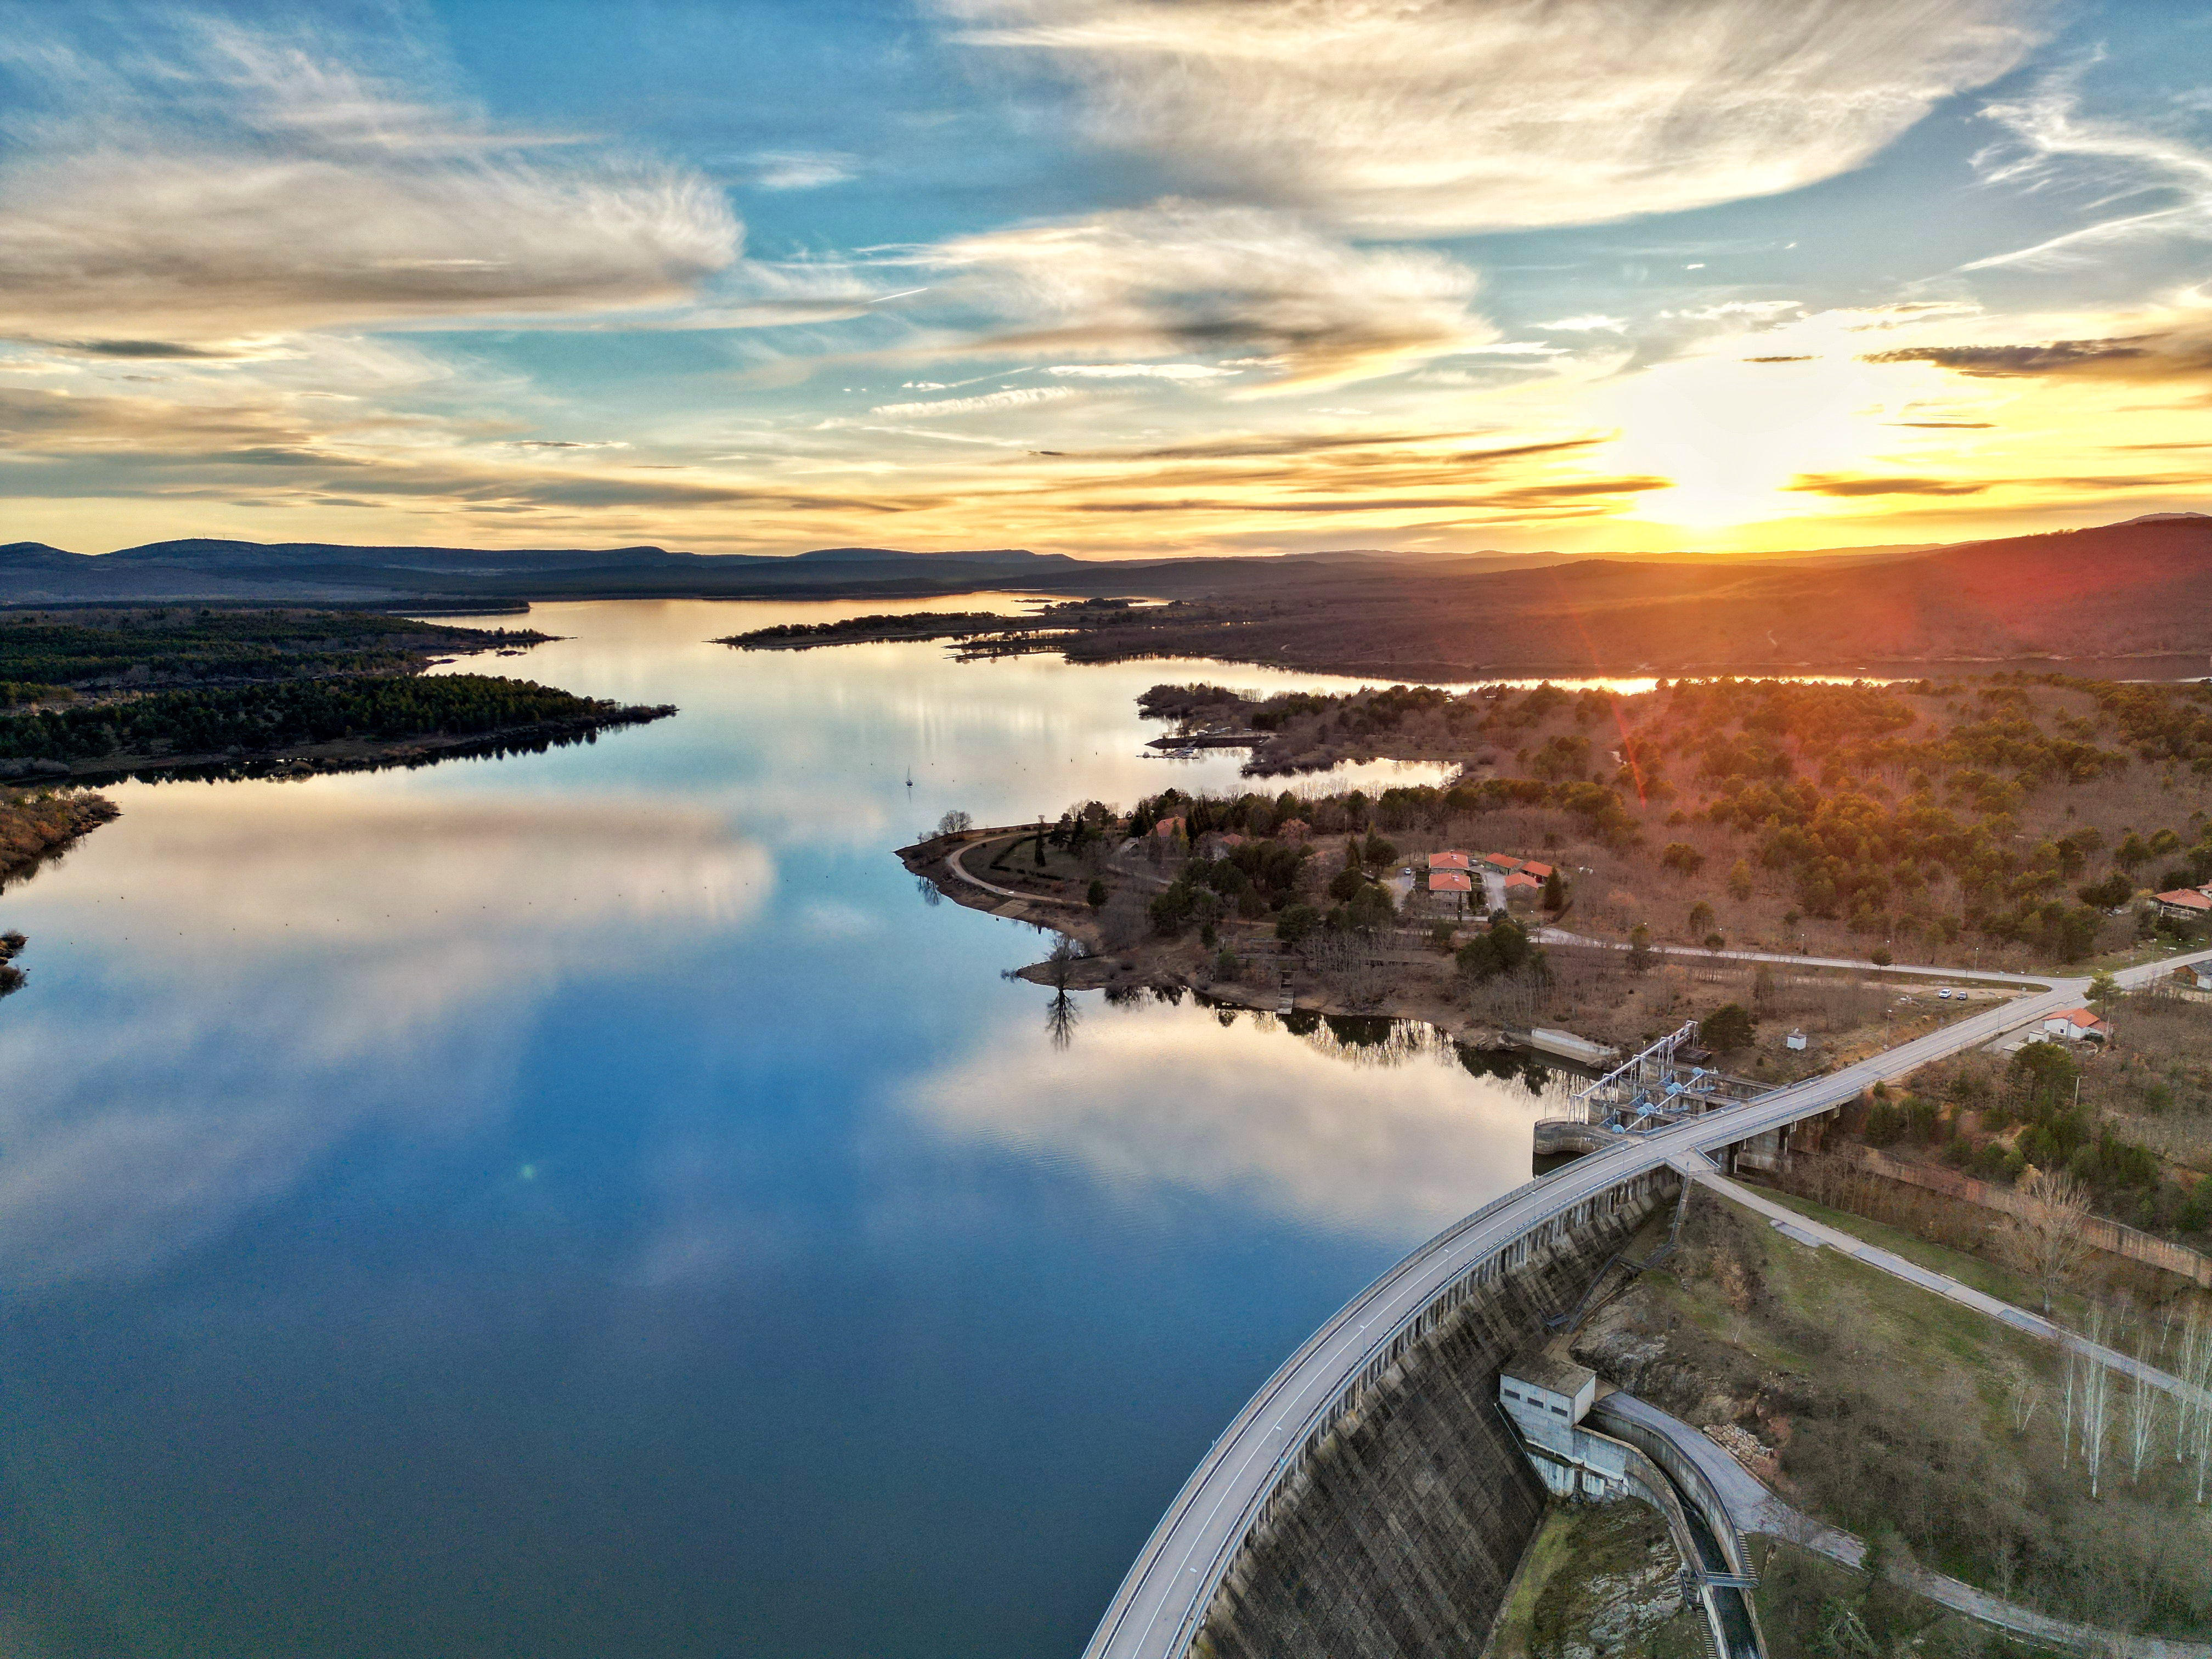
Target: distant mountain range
[
  {"x": 2125, "y": 589},
  {"x": 293, "y": 573}
]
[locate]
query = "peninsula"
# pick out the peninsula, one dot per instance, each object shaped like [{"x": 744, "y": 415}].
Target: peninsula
[{"x": 93, "y": 695}]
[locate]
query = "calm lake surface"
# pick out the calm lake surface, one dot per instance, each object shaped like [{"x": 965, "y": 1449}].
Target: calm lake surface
[{"x": 591, "y": 1204}]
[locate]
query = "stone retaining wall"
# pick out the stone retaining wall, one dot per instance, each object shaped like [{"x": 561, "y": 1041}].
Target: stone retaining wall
[{"x": 2123, "y": 1241}]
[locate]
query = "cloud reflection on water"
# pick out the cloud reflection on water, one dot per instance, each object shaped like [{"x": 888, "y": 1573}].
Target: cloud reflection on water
[
  {"x": 1403, "y": 1144},
  {"x": 381, "y": 968}
]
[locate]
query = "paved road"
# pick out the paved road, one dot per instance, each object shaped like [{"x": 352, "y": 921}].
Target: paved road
[
  {"x": 1160, "y": 1603},
  {"x": 1806, "y": 1230},
  {"x": 1918, "y": 970},
  {"x": 1754, "y": 1508}
]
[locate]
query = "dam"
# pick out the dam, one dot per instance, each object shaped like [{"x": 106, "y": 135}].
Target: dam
[{"x": 1371, "y": 1500}]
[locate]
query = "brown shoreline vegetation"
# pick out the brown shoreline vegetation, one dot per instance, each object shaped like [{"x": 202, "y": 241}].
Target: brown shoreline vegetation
[{"x": 38, "y": 825}]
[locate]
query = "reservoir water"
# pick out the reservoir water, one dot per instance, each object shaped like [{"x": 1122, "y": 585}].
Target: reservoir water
[{"x": 591, "y": 1204}]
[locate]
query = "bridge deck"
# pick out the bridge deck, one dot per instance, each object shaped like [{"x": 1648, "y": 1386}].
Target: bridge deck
[{"x": 1157, "y": 1610}]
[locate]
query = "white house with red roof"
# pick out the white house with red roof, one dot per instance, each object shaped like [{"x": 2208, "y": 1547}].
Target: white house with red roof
[{"x": 2078, "y": 1025}]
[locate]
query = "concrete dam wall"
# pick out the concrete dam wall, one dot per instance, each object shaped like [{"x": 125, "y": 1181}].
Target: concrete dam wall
[{"x": 1397, "y": 1536}]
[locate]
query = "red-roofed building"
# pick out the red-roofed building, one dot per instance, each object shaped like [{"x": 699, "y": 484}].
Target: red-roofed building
[
  {"x": 1170, "y": 829},
  {"x": 2076, "y": 1025},
  {"x": 1520, "y": 881},
  {"x": 1542, "y": 872},
  {"x": 1450, "y": 862},
  {"x": 1450, "y": 881},
  {"x": 2186, "y": 903},
  {"x": 1501, "y": 861}
]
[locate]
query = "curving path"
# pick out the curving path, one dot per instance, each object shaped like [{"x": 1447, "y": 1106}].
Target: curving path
[
  {"x": 1161, "y": 1602},
  {"x": 953, "y": 859},
  {"x": 1754, "y": 1508}
]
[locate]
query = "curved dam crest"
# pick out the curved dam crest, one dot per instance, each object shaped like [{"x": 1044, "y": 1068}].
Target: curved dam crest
[{"x": 1400, "y": 1534}]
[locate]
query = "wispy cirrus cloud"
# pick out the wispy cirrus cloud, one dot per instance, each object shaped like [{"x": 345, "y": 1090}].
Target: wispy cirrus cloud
[
  {"x": 188, "y": 184},
  {"x": 1181, "y": 276},
  {"x": 2161, "y": 183},
  {"x": 1438, "y": 115}
]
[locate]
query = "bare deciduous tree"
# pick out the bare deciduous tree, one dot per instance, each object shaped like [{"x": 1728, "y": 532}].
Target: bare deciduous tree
[
  {"x": 2096, "y": 1402},
  {"x": 2193, "y": 1439},
  {"x": 2046, "y": 1239},
  {"x": 2144, "y": 1403}
]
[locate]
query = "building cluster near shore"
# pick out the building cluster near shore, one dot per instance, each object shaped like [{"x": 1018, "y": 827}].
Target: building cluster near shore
[{"x": 1453, "y": 874}]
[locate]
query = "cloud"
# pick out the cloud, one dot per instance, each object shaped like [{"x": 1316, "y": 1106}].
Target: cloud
[
  {"x": 800, "y": 169},
  {"x": 1821, "y": 483},
  {"x": 1019, "y": 397},
  {"x": 1594, "y": 323},
  {"x": 190, "y": 183},
  {"x": 1430, "y": 117},
  {"x": 1427, "y": 445},
  {"x": 1146, "y": 371},
  {"x": 1179, "y": 276},
  {"x": 2050, "y": 144},
  {"x": 2181, "y": 352}
]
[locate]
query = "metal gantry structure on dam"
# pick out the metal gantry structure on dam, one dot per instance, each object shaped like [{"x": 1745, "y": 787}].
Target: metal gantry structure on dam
[{"x": 1653, "y": 1088}]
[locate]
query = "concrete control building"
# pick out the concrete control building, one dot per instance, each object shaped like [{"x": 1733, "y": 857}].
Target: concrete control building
[{"x": 1547, "y": 1398}]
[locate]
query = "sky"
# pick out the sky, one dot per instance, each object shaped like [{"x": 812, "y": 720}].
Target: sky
[{"x": 1109, "y": 277}]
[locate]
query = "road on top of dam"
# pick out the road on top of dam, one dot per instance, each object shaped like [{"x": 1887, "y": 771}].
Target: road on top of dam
[{"x": 1156, "y": 1612}]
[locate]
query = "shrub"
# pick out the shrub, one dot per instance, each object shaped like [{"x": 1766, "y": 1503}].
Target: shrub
[
  {"x": 1501, "y": 950},
  {"x": 1728, "y": 1027},
  {"x": 1680, "y": 856}
]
